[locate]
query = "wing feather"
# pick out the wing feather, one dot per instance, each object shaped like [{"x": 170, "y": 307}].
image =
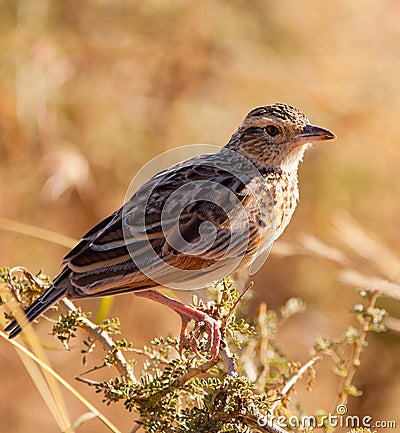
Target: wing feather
[{"x": 106, "y": 260}]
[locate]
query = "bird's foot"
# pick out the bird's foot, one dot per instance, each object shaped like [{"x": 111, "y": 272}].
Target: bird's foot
[{"x": 204, "y": 323}]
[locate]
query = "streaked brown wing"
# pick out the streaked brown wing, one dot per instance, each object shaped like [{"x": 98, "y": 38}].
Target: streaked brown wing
[{"x": 102, "y": 263}]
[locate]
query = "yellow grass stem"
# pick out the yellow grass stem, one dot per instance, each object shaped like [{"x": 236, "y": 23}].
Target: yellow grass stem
[
  {"x": 62, "y": 381},
  {"x": 37, "y": 232}
]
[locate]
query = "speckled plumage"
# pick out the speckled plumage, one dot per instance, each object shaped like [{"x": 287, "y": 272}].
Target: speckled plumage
[{"x": 272, "y": 138}]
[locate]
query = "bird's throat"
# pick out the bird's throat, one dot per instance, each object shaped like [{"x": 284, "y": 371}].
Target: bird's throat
[{"x": 291, "y": 160}]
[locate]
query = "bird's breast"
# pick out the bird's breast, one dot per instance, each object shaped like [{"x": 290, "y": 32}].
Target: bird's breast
[{"x": 283, "y": 188}]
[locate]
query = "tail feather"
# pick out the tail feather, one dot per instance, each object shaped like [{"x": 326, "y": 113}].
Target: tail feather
[{"x": 57, "y": 290}]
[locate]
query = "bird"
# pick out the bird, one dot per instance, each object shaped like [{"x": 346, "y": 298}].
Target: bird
[{"x": 194, "y": 222}]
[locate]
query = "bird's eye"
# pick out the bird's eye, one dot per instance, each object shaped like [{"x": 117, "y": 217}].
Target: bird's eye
[{"x": 272, "y": 130}]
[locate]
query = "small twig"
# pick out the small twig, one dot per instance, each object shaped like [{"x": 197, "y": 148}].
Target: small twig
[
  {"x": 356, "y": 355},
  {"x": 294, "y": 380},
  {"x": 198, "y": 370},
  {"x": 241, "y": 296},
  {"x": 138, "y": 425},
  {"x": 87, "y": 381},
  {"x": 228, "y": 359},
  {"x": 263, "y": 339},
  {"x": 123, "y": 367},
  {"x": 143, "y": 353},
  {"x": 30, "y": 277},
  {"x": 95, "y": 368},
  {"x": 224, "y": 356},
  {"x": 232, "y": 310}
]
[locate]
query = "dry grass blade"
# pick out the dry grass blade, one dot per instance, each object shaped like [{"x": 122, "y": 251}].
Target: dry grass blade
[
  {"x": 44, "y": 390},
  {"x": 284, "y": 249},
  {"x": 82, "y": 419},
  {"x": 392, "y": 323},
  {"x": 46, "y": 384},
  {"x": 62, "y": 381},
  {"x": 367, "y": 245},
  {"x": 354, "y": 278},
  {"x": 319, "y": 249},
  {"x": 37, "y": 232}
]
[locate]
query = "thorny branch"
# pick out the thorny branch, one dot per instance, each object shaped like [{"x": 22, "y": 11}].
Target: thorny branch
[
  {"x": 121, "y": 364},
  {"x": 225, "y": 357},
  {"x": 295, "y": 379}
]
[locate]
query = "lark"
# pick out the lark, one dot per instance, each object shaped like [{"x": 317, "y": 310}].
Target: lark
[{"x": 197, "y": 220}]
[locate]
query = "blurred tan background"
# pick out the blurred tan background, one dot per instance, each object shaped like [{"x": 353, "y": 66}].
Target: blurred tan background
[{"x": 90, "y": 91}]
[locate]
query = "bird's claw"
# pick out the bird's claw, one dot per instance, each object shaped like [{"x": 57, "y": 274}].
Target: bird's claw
[{"x": 212, "y": 327}]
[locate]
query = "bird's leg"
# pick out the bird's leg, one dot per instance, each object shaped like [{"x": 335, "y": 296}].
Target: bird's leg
[
  {"x": 183, "y": 338},
  {"x": 188, "y": 313}
]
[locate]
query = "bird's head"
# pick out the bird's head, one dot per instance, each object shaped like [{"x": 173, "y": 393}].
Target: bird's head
[{"x": 276, "y": 136}]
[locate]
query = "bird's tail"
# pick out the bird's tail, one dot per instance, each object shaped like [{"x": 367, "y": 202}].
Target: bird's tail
[{"x": 56, "y": 291}]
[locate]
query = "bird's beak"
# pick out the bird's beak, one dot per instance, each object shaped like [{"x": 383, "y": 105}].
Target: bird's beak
[{"x": 313, "y": 133}]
